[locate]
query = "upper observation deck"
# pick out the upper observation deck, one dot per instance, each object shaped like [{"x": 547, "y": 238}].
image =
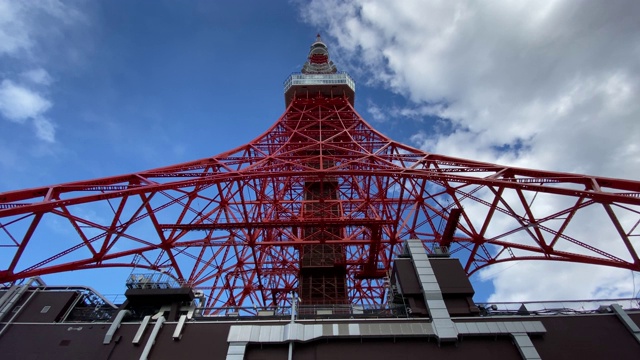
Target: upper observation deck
[
  {"x": 319, "y": 76},
  {"x": 329, "y": 85}
]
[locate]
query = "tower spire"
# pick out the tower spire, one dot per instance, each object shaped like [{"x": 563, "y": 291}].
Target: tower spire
[
  {"x": 319, "y": 76},
  {"x": 318, "y": 61}
]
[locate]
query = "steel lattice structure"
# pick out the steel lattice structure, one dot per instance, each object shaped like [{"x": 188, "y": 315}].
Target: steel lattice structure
[{"x": 321, "y": 179}]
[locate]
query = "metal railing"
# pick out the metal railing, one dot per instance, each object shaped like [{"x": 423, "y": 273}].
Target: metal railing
[
  {"x": 302, "y": 312},
  {"x": 90, "y": 314},
  {"x": 556, "y": 307},
  {"x": 341, "y": 78},
  {"x": 154, "y": 280}
]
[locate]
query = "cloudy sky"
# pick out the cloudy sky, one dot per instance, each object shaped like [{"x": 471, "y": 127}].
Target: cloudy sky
[{"x": 96, "y": 89}]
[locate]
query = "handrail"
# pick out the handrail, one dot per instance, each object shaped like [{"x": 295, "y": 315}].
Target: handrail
[
  {"x": 552, "y": 307},
  {"x": 319, "y": 79}
]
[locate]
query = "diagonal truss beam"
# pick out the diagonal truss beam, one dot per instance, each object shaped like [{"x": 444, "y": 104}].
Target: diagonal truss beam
[{"x": 233, "y": 224}]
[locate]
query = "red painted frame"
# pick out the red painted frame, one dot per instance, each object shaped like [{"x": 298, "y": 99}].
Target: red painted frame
[{"x": 230, "y": 224}]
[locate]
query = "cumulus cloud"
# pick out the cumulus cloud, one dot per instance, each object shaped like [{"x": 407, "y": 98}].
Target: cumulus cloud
[
  {"x": 548, "y": 85},
  {"x": 37, "y": 76},
  {"x": 18, "y": 103},
  {"x": 376, "y": 112},
  {"x": 561, "y": 281},
  {"x": 13, "y": 38},
  {"x": 45, "y": 129},
  {"x": 24, "y": 27},
  {"x": 24, "y": 23}
]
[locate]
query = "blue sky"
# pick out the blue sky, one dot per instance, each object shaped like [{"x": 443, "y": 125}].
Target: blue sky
[
  {"x": 92, "y": 89},
  {"x": 135, "y": 86}
]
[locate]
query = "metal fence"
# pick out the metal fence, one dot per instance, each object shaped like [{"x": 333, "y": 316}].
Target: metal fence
[
  {"x": 154, "y": 280},
  {"x": 303, "y": 312},
  {"x": 560, "y": 307},
  {"x": 340, "y": 78}
]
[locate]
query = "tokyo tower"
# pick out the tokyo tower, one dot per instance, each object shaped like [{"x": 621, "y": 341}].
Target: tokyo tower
[{"x": 320, "y": 204}]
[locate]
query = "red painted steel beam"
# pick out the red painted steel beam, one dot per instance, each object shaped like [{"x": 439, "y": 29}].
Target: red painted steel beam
[
  {"x": 231, "y": 223},
  {"x": 631, "y": 198},
  {"x": 304, "y": 222}
]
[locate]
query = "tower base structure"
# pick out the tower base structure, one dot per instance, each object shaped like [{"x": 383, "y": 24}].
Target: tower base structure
[
  {"x": 319, "y": 239},
  {"x": 430, "y": 314},
  {"x": 316, "y": 207}
]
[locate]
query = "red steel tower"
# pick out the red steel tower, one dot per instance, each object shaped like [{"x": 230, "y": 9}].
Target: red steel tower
[{"x": 319, "y": 204}]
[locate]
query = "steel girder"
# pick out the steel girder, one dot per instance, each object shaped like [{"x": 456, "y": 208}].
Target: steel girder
[{"x": 232, "y": 224}]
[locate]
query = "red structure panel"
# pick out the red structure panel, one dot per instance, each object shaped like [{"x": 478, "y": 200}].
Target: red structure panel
[{"x": 247, "y": 225}]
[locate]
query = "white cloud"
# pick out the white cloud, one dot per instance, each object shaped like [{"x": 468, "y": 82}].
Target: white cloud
[
  {"x": 568, "y": 281},
  {"x": 18, "y": 103},
  {"x": 37, "y": 76},
  {"x": 376, "y": 112},
  {"x": 13, "y": 37},
  {"x": 45, "y": 129},
  {"x": 24, "y": 23},
  {"x": 547, "y": 85},
  {"x": 25, "y": 28}
]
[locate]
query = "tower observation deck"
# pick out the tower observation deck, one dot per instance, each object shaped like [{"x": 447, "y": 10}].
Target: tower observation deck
[
  {"x": 320, "y": 204},
  {"x": 319, "y": 76}
]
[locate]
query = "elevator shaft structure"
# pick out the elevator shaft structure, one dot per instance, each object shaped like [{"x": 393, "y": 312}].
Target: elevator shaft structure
[
  {"x": 319, "y": 204},
  {"x": 322, "y": 276}
]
